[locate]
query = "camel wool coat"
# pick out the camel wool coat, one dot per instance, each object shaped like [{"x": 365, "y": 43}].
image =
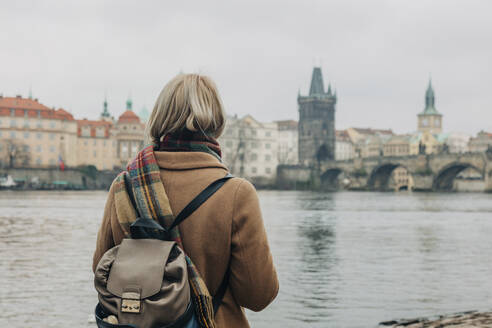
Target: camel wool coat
[{"x": 227, "y": 230}]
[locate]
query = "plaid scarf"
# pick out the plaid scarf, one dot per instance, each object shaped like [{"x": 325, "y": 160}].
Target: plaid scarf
[
  {"x": 153, "y": 203},
  {"x": 186, "y": 140}
]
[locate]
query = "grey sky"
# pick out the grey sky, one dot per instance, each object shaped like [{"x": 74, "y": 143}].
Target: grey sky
[{"x": 378, "y": 55}]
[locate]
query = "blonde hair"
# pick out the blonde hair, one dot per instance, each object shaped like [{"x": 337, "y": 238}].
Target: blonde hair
[{"x": 188, "y": 101}]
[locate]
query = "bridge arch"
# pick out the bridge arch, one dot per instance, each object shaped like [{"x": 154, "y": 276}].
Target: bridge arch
[
  {"x": 381, "y": 174},
  {"x": 444, "y": 179},
  {"x": 330, "y": 178}
]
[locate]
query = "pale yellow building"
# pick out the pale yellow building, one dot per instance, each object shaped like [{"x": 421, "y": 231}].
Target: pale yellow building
[{"x": 34, "y": 135}]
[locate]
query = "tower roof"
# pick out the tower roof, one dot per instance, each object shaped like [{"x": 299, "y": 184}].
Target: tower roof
[
  {"x": 129, "y": 104},
  {"x": 105, "y": 112},
  {"x": 317, "y": 87},
  {"x": 128, "y": 117},
  {"x": 430, "y": 99}
]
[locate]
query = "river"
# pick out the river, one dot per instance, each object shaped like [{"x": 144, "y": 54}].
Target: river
[{"x": 347, "y": 259}]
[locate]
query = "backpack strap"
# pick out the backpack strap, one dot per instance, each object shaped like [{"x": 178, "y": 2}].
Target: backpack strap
[
  {"x": 199, "y": 200},
  {"x": 187, "y": 211}
]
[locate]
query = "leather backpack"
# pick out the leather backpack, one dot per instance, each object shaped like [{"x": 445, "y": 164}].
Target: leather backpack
[{"x": 143, "y": 282}]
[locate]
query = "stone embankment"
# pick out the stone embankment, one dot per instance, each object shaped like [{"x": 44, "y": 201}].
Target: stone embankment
[{"x": 458, "y": 320}]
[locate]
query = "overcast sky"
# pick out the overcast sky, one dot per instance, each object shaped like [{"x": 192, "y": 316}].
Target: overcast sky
[{"x": 378, "y": 54}]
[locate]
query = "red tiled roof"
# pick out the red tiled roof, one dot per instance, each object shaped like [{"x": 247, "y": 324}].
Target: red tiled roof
[
  {"x": 342, "y": 135},
  {"x": 31, "y": 108},
  {"x": 93, "y": 125},
  {"x": 287, "y": 125},
  {"x": 373, "y": 131},
  {"x": 128, "y": 117}
]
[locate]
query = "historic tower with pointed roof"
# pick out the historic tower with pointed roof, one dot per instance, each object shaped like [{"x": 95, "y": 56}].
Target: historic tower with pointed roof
[
  {"x": 316, "y": 122},
  {"x": 430, "y": 120}
]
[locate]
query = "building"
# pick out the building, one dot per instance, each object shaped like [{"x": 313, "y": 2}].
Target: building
[
  {"x": 344, "y": 148},
  {"x": 34, "y": 135},
  {"x": 401, "y": 179},
  {"x": 457, "y": 142},
  {"x": 250, "y": 149},
  {"x": 368, "y": 142},
  {"x": 288, "y": 139},
  {"x": 316, "y": 122},
  {"x": 397, "y": 145},
  {"x": 128, "y": 135},
  {"x": 430, "y": 120},
  {"x": 481, "y": 143}
]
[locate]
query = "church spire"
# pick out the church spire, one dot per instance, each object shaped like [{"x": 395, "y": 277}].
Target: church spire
[
  {"x": 329, "y": 90},
  {"x": 430, "y": 99},
  {"x": 317, "y": 87},
  {"x": 105, "y": 112},
  {"x": 129, "y": 103}
]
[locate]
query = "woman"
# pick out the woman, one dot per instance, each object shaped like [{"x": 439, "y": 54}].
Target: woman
[{"x": 227, "y": 231}]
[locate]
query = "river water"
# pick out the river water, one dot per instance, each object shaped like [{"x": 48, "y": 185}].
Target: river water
[{"x": 344, "y": 259}]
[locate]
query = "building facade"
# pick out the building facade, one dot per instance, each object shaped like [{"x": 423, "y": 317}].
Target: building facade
[
  {"x": 34, "y": 135},
  {"x": 288, "y": 139},
  {"x": 316, "y": 122},
  {"x": 250, "y": 149},
  {"x": 481, "y": 143},
  {"x": 344, "y": 148}
]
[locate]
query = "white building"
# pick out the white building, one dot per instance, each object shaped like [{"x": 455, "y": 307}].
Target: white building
[
  {"x": 250, "y": 149},
  {"x": 288, "y": 140},
  {"x": 457, "y": 142},
  {"x": 344, "y": 148}
]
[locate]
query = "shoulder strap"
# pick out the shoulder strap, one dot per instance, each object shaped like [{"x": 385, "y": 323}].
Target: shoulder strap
[{"x": 199, "y": 200}]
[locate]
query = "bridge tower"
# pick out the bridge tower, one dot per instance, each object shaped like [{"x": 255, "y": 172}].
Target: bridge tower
[
  {"x": 317, "y": 122},
  {"x": 430, "y": 120}
]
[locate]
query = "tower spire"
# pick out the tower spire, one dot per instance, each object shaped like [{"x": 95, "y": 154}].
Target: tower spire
[
  {"x": 129, "y": 103},
  {"x": 329, "y": 90},
  {"x": 105, "y": 112},
  {"x": 317, "y": 87}
]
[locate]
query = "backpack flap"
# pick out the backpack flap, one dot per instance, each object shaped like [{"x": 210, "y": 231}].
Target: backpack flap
[{"x": 136, "y": 271}]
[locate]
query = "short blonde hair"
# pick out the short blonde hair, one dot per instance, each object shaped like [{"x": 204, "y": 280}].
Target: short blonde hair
[{"x": 188, "y": 101}]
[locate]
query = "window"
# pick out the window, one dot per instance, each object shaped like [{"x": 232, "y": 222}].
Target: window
[
  {"x": 85, "y": 142},
  {"x": 95, "y": 142},
  {"x": 267, "y": 145},
  {"x": 26, "y": 148},
  {"x": 268, "y": 158},
  {"x": 12, "y": 134},
  {"x": 13, "y": 123},
  {"x": 268, "y": 134},
  {"x": 254, "y": 157},
  {"x": 229, "y": 143},
  {"x": 26, "y": 124},
  {"x": 52, "y": 161},
  {"x": 26, "y": 135},
  {"x": 38, "y": 161},
  {"x": 95, "y": 153},
  {"x": 104, "y": 143},
  {"x": 39, "y": 135},
  {"x": 39, "y": 114},
  {"x": 12, "y": 112},
  {"x": 25, "y": 112},
  {"x": 268, "y": 170},
  {"x": 52, "y": 136},
  {"x": 39, "y": 149},
  {"x": 52, "y": 149},
  {"x": 39, "y": 124},
  {"x": 52, "y": 124},
  {"x": 253, "y": 170}
]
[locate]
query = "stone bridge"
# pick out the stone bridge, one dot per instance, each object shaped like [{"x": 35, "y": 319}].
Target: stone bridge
[{"x": 429, "y": 172}]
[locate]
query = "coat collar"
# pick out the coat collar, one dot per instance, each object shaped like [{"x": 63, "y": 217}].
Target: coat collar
[{"x": 187, "y": 160}]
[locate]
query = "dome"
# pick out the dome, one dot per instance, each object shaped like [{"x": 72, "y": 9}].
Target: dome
[{"x": 128, "y": 117}]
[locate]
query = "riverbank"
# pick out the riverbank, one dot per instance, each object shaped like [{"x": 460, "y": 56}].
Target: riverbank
[{"x": 457, "y": 320}]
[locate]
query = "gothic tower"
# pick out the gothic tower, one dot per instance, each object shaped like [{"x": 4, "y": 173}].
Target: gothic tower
[
  {"x": 317, "y": 122},
  {"x": 430, "y": 120}
]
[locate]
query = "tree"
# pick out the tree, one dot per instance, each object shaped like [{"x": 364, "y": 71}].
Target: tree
[{"x": 17, "y": 153}]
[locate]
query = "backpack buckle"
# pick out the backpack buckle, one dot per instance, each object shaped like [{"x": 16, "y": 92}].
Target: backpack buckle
[{"x": 130, "y": 302}]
